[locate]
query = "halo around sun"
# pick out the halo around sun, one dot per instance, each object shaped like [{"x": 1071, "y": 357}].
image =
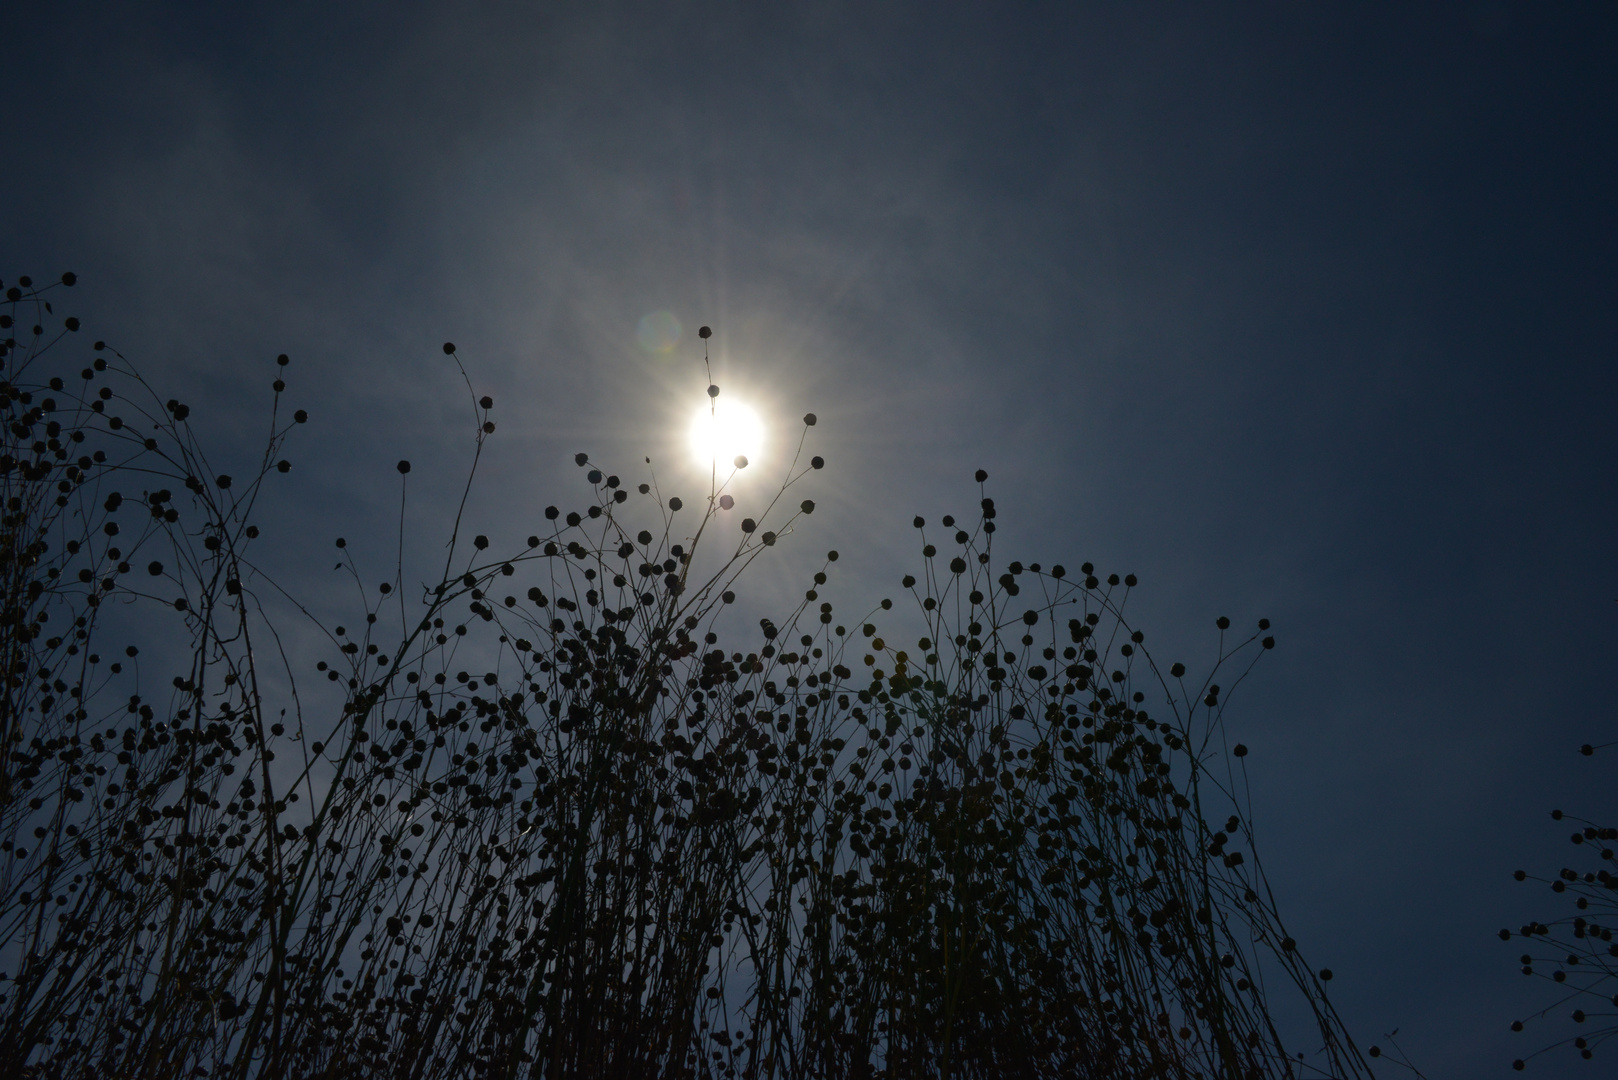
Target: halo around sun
[{"x": 722, "y": 430}]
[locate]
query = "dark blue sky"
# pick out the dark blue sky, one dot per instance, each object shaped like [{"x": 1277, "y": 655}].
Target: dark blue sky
[{"x": 1304, "y": 311}]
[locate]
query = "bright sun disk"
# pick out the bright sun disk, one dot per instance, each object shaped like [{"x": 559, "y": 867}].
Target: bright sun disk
[{"x": 722, "y": 430}]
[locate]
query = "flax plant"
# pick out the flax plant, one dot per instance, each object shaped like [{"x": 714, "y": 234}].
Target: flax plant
[{"x": 532, "y": 819}]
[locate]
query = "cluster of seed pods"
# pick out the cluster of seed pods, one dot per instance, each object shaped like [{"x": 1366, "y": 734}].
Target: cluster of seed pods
[{"x": 539, "y": 819}]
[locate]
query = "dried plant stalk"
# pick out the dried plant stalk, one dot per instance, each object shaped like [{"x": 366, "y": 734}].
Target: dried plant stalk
[{"x": 618, "y": 849}]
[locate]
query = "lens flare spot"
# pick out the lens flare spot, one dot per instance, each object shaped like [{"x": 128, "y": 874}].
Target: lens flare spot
[
  {"x": 659, "y": 332},
  {"x": 723, "y": 431}
]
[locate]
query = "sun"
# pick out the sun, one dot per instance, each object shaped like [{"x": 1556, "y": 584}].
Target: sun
[{"x": 722, "y": 431}]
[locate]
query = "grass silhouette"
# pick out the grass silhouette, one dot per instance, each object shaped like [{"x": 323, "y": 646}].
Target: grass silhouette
[{"x": 983, "y": 834}]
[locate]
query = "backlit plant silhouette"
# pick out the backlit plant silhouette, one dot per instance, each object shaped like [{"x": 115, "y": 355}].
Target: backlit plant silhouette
[
  {"x": 534, "y": 819},
  {"x": 1575, "y": 952}
]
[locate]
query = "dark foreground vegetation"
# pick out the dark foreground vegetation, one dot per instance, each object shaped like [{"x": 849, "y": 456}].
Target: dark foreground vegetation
[
  {"x": 1575, "y": 951},
  {"x": 536, "y": 818}
]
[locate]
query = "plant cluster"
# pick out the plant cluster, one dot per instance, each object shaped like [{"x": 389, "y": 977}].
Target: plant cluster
[
  {"x": 533, "y": 818},
  {"x": 1575, "y": 953}
]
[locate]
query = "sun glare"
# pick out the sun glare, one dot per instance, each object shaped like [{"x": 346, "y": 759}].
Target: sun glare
[{"x": 724, "y": 430}]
